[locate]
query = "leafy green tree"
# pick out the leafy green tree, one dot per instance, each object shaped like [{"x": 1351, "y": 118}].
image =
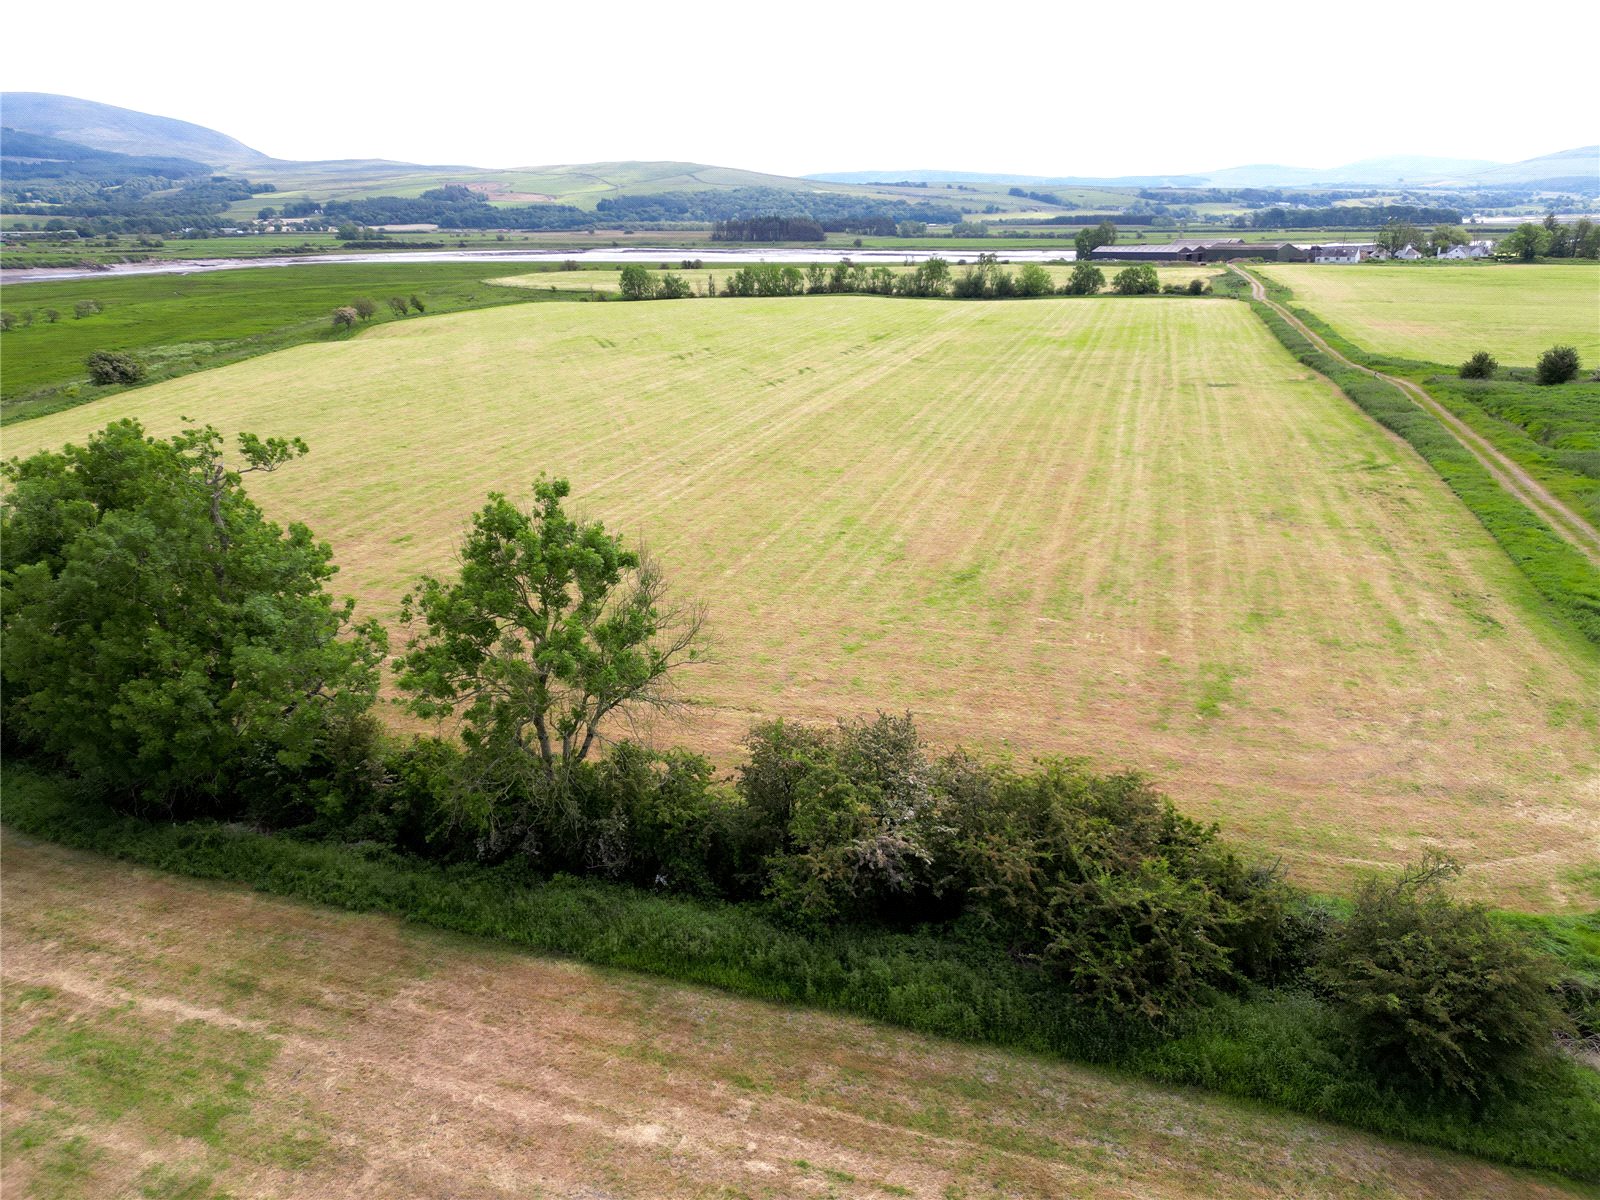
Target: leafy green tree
[
  {"x": 1481, "y": 365},
  {"x": 637, "y": 283},
  {"x": 161, "y": 637},
  {"x": 1087, "y": 240},
  {"x": 674, "y": 287},
  {"x": 1559, "y": 364},
  {"x": 1437, "y": 992},
  {"x": 1527, "y": 241},
  {"x": 1444, "y": 237},
  {"x": 552, "y": 627},
  {"x": 1396, "y": 235},
  {"x": 1086, "y": 280},
  {"x": 1141, "y": 280},
  {"x": 1034, "y": 280},
  {"x": 398, "y": 305},
  {"x": 365, "y": 306}
]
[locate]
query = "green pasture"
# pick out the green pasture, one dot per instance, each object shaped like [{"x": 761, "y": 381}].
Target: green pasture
[
  {"x": 181, "y": 323},
  {"x": 1444, "y": 312},
  {"x": 1136, "y": 530}
]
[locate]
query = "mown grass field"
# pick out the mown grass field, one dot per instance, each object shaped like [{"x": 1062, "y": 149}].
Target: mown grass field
[
  {"x": 608, "y": 281},
  {"x": 1132, "y": 529},
  {"x": 1442, "y": 313},
  {"x": 170, "y": 1038}
]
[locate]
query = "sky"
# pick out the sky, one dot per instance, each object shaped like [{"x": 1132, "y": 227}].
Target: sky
[{"x": 1031, "y": 88}]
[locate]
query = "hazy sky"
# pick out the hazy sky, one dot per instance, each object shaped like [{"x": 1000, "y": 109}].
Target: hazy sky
[{"x": 1034, "y": 88}]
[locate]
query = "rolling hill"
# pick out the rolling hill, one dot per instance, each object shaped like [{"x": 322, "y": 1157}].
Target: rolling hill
[{"x": 122, "y": 130}]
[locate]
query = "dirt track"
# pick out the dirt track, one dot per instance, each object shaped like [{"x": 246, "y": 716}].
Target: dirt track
[
  {"x": 1506, "y": 472},
  {"x": 169, "y": 1037}
]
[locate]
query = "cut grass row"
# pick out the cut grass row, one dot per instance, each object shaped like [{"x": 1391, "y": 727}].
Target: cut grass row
[
  {"x": 1272, "y": 1048},
  {"x": 1136, "y": 530},
  {"x": 219, "y": 1025}
]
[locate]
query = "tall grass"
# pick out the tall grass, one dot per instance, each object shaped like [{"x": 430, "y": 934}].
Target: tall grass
[{"x": 1278, "y": 1048}]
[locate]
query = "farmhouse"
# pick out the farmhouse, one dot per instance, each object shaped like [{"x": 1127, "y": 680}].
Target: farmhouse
[
  {"x": 1474, "y": 249},
  {"x": 1344, "y": 252}
]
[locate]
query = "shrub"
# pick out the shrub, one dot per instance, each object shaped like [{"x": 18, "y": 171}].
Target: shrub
[
  {"x": 365, "y": 307},
  {"x": 52, "y": 315},
  {"x": 417, "y": 305},
  {"x": 1559, "y": 364},
  {"x": 345, "y": 318},
  {"x": 107, "y": 367},
  {"x": 673, "y": 287},
  {"x": 1481, "y": 365},
  {"x": 1136, "y": 281},
  {"x": 7, "y": 320},
  {"x": 1086, "y": 280},
  {"x": 85, "y": 308},
  {"x": 398, "y": 305},
  {"x": 637, "y": 283},
  {"x": 1438, "y": 994},
  {"x": 1198, "y": 287}
]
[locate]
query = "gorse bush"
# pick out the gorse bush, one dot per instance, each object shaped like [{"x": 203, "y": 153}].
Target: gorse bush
[
  {"x": 1439, "y": 994},
  {"x": 1559, "y": 364},
  {"x": 107, "y": 367}
]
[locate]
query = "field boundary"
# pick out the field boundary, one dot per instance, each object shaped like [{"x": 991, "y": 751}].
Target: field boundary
[
  {"x": 1273, "y": 1048},
  {"x": 1558, "y": 569},
  {"x": 1570, "y": 525}
]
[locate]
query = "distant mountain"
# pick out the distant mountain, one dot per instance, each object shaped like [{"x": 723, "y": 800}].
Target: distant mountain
[
  {"x": 1574, "y": 169},
  {"x": 122, "y": 130},
  {"x": 35, "y": 156}
]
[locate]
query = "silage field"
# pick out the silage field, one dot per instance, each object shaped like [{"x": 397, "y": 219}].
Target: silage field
[
  {"x": 1443, "y": 313},
  {"x": 176, "y": 1039},
  {"x": 1131, "y": 529}
]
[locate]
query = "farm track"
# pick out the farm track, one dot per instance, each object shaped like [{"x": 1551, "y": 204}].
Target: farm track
[{"x": 1570, "y": 525}]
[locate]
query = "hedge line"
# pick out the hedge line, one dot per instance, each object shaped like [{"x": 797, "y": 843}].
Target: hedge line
[
  {"x": 1557, "y": 571},
  {"x": 1279, "y": 1048}
]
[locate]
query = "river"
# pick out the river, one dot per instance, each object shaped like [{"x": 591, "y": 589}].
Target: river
[{"x": 650, "y": 256}]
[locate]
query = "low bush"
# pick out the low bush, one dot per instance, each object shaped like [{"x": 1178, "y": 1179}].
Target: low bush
[
  {"x": 1481, "y": 365},
  {"x": 1559, "y": 364},
  {"x": 107, "y": 367},
  {"x": 1438, "y": 994}
]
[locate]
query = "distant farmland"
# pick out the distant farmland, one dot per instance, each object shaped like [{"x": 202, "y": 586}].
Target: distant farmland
[
  {"x": 1136, "y": 530},
  {"x": 1442, "y": 313}
]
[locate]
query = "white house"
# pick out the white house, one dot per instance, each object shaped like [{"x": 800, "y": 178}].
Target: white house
[
  {"x": 1481, "y": 249},
  {"x": 1408, "y": 254}
]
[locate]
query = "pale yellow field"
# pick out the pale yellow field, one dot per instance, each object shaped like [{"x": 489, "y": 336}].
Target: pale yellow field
[
  {"x": 609, "y": 281},
  {"x": 174, "y": 1039},
  {"x": 1134, "y": 530},
  {"x": 1443, "y": 313}
]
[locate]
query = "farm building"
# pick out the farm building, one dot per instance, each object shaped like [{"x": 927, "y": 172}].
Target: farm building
[
  {"x": 1408, "y": 254},
  {"x": 1202, "y": 250}
]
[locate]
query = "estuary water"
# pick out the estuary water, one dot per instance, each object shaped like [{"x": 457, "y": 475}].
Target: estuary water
[{"x": 656, "y": 256}]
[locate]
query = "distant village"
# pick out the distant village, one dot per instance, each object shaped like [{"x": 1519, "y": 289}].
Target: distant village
[{"x": 1221, "y": 249}]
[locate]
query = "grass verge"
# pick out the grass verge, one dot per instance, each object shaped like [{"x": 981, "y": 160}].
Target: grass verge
[
  {"x": 1276, "y": 1048},
  {"x": 1557, "y": 571}
]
